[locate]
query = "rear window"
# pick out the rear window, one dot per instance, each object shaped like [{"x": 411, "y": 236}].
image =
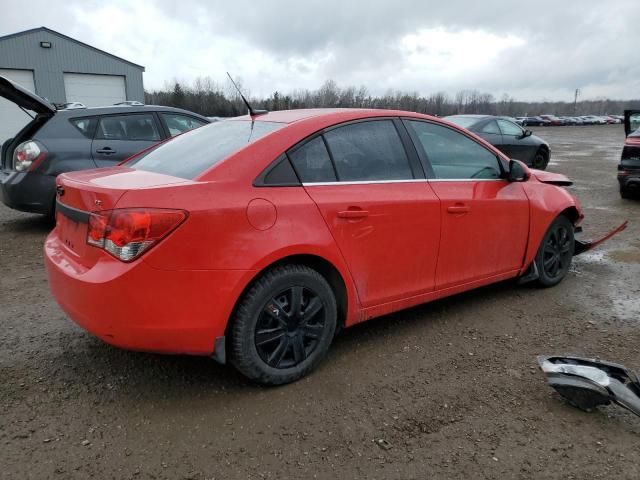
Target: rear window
[{"x": 191, "y": 153}]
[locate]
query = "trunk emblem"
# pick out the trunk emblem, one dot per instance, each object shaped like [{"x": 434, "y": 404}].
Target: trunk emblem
[
  {"x": 60, "y": 190},
  {"x": 98, "y": 203}
]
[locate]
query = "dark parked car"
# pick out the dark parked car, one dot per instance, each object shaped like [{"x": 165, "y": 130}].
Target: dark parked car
[
  {"x": 58, "y": 141},
  {"x": 508, "y": 137},
  {"x": 553, "y": 120},
  {"x": 534, "y": 122},
  {"x": 629, "y": 166}
]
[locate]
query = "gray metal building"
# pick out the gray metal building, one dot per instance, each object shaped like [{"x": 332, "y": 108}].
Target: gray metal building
[{"x": 62, "y": 70}]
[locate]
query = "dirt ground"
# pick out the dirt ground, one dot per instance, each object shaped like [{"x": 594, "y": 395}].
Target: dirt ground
[{"x": 451, "y": 387}]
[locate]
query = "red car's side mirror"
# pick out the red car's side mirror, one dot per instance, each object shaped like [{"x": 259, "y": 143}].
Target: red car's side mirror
[{"x": 517, "y": 173}]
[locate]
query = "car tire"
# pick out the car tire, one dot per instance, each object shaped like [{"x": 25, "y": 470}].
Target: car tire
[
  {"x": 272, "y": 342},
  {"x": 555, "y": 253},
  {"x": 540, "y": 160},
  {"x": 50, "y": 216},
  {"x": 625, "y": 193}
]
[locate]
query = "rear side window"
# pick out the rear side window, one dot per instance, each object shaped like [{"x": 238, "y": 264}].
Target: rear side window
[
  {"x": 189, "y": 155},
  {"x": 312, "y": 162},
  {"x": 177, "y": 124},
  {"x": 368, "y": 151},
  {"x": 491, "y": 127},
  {"x": 454, "y": 155},
  {"x": 141, "y": 127},
  {"x": 87, "y": 125}
]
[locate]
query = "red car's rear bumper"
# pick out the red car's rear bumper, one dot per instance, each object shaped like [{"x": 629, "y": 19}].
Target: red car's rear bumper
[{"x": 137, "y": 307}]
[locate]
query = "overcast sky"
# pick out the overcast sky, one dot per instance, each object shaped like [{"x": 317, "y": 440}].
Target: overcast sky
[{"x": 532, "y": 50}]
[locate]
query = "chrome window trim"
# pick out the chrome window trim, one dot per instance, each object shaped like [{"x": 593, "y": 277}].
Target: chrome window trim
[
  {"x": 416, "y": 180},
  {"x": 467, "y": 180},
  {"x": 361, "y": 182}
]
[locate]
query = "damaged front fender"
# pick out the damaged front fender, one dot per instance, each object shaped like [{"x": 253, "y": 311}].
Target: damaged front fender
[{"x": 581, "y": 246}]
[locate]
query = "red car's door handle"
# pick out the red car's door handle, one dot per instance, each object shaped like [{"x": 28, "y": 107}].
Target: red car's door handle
[
  {"x": 353, "y": 213},
  {"x": 459, "y": 208}
]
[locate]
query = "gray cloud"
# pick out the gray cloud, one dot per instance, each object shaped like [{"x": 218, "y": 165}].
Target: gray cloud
[{"x": 287, "y": 45}]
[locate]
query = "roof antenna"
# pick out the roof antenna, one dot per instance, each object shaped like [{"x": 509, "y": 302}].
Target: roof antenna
[{"x": 252, "y": 112}]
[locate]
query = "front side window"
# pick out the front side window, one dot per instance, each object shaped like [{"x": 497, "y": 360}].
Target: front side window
[
  {"x": 454, "y": 155},
  {"x": 177, "y": 124},
  {"x": 312, "y": 162},
  {"x": 509, "y": 128},
  {"x": 368, "y": 151},
  {"x": 189, "y": 155},
  {"x": 141, "y": 127}
]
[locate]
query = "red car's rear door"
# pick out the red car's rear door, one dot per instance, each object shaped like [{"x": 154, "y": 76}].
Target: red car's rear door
[
  {"x": 485, "y": 219},
  {"x": 385, "y": 221}
]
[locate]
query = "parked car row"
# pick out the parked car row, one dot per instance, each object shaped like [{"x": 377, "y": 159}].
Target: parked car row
[{"x": 553, "y": 120}]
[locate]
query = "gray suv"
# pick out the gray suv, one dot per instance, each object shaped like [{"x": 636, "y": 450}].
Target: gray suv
[{"x": 58, "y": 141}]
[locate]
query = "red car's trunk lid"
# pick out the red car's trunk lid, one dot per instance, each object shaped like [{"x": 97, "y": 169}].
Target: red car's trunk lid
[{"x": 80, "y": 193}]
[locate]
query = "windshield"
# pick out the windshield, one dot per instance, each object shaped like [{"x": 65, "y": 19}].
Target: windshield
[
  {"x": 190, "y": 154},
  {"x": 464, "y": 122}
]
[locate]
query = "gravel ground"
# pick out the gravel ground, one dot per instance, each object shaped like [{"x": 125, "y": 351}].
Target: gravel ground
[{"x": 451, "y": 388}]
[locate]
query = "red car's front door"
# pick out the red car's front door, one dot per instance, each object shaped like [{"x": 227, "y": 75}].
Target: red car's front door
[
  {"x": 385, "y": 222},
  {"x": 485, "y": 219},
  {"x": 485, "y": 226}
]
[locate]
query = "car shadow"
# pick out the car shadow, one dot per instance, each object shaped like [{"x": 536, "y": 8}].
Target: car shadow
[
  {"x": 138, "y": 374},
  {"x": 399, "y": 323},
  {"x": 26, "y": 224}
]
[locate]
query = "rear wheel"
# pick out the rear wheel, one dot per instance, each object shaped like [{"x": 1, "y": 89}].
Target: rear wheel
[
  {"x": 625, "y": 193},
  {"x": 555, "y": 253},
  {"x": 284, "y": 325},
  {"x": 540, "y": 160}
]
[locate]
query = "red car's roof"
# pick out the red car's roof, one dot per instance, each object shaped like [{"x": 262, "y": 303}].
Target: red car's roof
[{"x": 338, "y": 114}]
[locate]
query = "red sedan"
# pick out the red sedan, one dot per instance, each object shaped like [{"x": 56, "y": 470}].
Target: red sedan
[{"x": 255, "y": 239}]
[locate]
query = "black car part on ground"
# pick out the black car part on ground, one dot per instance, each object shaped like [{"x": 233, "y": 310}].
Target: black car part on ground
[{"x": 587, "y": 383}]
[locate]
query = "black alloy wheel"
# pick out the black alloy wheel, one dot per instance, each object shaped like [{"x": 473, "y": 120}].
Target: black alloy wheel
[
  {"x": 290, "y": 327},
  {"x": 556, "y": 252},
  {"x": 283, "y": 325}
]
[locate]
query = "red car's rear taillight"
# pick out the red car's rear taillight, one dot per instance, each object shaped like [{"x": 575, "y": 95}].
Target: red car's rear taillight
[{"x": 127, "y": 233}]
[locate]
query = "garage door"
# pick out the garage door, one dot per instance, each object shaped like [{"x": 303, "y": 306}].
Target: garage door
[
  {"x": 94, "y": 90},
  {"x": 12, "y": 119}
]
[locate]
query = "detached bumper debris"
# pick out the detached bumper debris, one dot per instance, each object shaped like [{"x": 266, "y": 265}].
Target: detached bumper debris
[
  {"x": 581, "y": 246},
  {"x": 588, "y": 383}
]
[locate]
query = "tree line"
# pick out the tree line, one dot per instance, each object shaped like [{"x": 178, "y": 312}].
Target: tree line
[{"x": 209, "y": 98}]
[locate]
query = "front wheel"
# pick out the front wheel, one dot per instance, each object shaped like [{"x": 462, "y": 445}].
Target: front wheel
[
  {"x": 540, "y": 160},
  {"x": 625, "y": 193},
  {"x": 555, "y": 253},
  {"x": 283, "y": 326}
]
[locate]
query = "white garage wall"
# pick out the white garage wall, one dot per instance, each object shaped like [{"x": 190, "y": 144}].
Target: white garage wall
[
  {"x": 94, "y": 90},
  {"x": 12, "y": 118}
]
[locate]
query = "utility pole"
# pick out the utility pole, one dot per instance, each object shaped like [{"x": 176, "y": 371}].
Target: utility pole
[{"x": 575, "y": 101}]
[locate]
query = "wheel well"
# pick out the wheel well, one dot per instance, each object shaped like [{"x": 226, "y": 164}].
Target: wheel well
[
  {"x": 571, "y": 213},
  {"x": 319, "y": 264}
]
